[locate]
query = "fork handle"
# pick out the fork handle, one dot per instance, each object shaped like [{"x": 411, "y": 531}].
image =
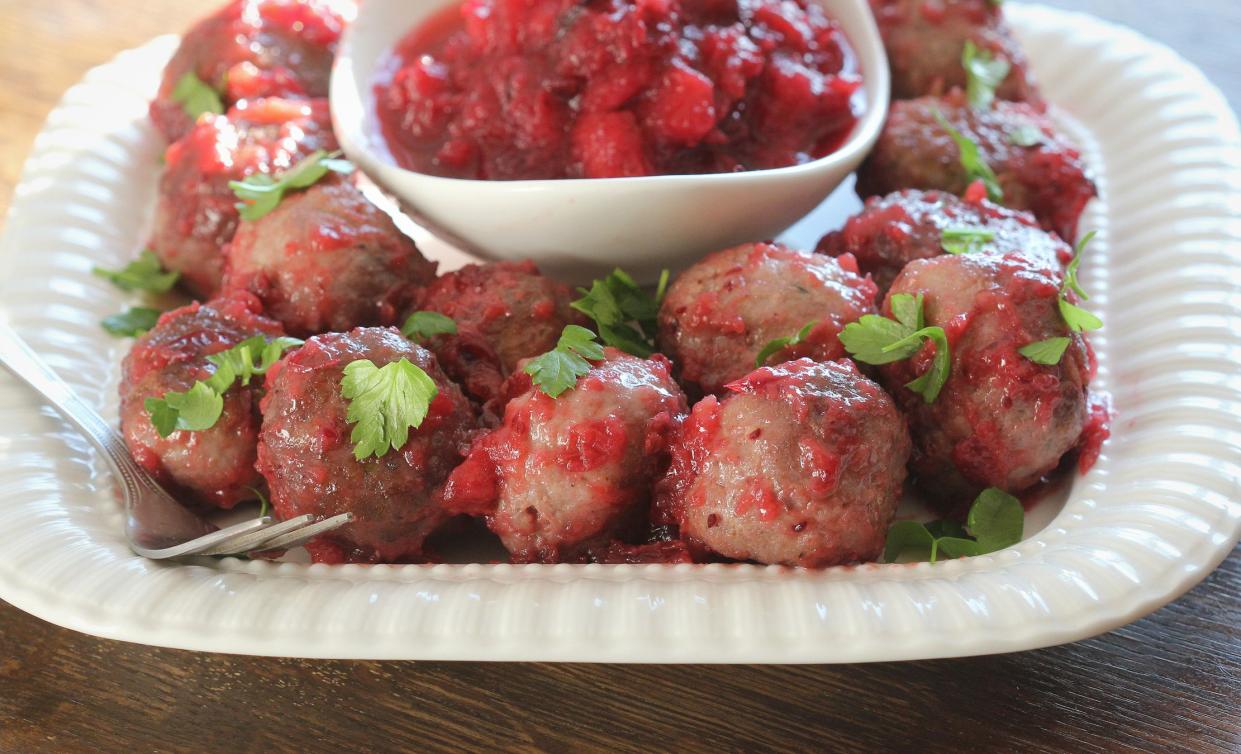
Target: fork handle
[{"x": 138, "y": 486}]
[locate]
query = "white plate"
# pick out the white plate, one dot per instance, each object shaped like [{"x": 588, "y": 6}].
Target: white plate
[{"x": 1155, "y": 515}]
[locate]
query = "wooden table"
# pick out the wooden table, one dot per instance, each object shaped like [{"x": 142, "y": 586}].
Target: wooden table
[{"x": 1169, "y": 683}]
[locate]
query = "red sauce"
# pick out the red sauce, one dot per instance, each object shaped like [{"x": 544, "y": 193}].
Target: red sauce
[
  {"x": 1098, "y": 428},
  {"x": 533, "y": 89}
]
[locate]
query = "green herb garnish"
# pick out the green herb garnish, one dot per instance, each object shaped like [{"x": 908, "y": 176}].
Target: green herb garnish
[
  {"x": 261, "y": 193},
  {"x": 963, "y": 240},
  {"x": 625, "y": 315},
  {"x": 143, "y": 274},
  {"x": 971, "y": 160},
  {"x": 557, "y": 370},
  {"x": 874, "y": 339},
  {"x": 424, "y": 325},
  {"x": 1077, "y": 318},
  {"x": 1025, "y": 135},
  {"x": 199, "y": 407},
  {"x": 196, "y": 96},
  {"x": 779, "y": 344},
  {"x": 996, "y": 520},
  {"x": 132, "y": 322},
  {"x": 984, "y": 73},
  {"x": 384, "y": 404},
  {"x": 1046, "y": 352}
]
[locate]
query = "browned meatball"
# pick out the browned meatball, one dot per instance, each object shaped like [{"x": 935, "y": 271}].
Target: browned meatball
[
  {"x": 197, "y": 212},
  {"x": 213, "y": 466},
  {"x": 1001, "y": 420},
  {"x": 307, "y": 457},
  {"x": 720, "y": 313},
  {"x": 1048, "y": 179},
  {"x": 254, "y": 48},
  {"x": 327, "y": 259},
  {"x": 924, "y": 40},
  {"x": 896, "y": 229},
  {"x": 505, "y": 312},
  {"x": 801, "y": 464},
  {"x": 564, "y": 475}
]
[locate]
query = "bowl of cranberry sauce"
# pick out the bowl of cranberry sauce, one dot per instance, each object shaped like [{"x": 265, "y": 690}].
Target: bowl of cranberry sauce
[
  {"x": 543, "y": 89},
  {"x": 590, "y": 134}
]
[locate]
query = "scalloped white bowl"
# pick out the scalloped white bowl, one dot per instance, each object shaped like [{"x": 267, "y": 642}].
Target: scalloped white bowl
[
  {"x": 578, "y": 229},
  {"x": 1154, "y": 516}
]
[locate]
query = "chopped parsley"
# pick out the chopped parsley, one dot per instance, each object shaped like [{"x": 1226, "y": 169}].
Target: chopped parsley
[
  {"x": 557, "y": 370},
  {"x": 874, "y": 339},
  {"x": 132, "y": 322},
  {"x": 424, "y": 325},
  {"x": 996, "y": 520},
  {"x": 261, "y": 193},
  {"x": 779, "y": 344},
  {"x": 143, "y": 274},
  {"x": 1077, "y": 318},
  {"x": 984, "y": 73},
  {"x": 1025, "y": 135},
  {"x": 963, "y": 240},
  {"x": 975, "y": 166},
  {"x": 384, "y": 404},
  {"x": 1046, "y": 352},
  {"x": 625, "y": 315},
  {"x": 199, "y": 407},
  {"x": 196, "y": 96}
]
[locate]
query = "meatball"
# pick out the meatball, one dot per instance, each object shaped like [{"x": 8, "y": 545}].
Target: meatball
[
  {"x": 254, "y": 48},
  {"x": 801, "y": 464},
  {"x": 896, "y": 229},
  {"x": 720, "y": 313},
  {"x": 562, "y": 476},
  {"x": 1001, "y": 420},
  {"x": 327, "y": 259},
  {"x": 213, "y": 466},
  {"x": 196, "y": 214},
  {"x": 306, "y": 455},
  {"x": 505, "y": 312},
  {"x": 1049, "y": 178},
  {"x": 925, "y": 40}
]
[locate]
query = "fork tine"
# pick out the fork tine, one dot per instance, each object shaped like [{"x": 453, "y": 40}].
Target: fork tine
[
  {"x": 248, "y": 541},
  {"x": 205, "y": 542},
  {"x": 301, "y": 536}
]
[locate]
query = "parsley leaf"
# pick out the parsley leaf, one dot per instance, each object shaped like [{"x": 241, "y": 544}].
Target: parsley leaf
[
  {"x": 971, "y": 159},
  {"x": 143, "y": 274},
  {"x": 996, "y": 520},
  {"x": 984, "y": 74},
  {"x": 261, "y": 193},
  {"x": 196, "y": 96},
  {"x": 624, "y": 314},
  {"x": 1025, "y": 135},
  {"x": 132, "y": 322},
  {"x": 963, "y": 240},
  {"x": 194, "y": 410},
  {"x": 1077, "y": 318},
  {"x": 199, "y": 407},
  {"x": 1045, "y": 352},
  {"x": 384, "y": 403},
  {"x": 424, "y": 325},
  {"x": 557, "y": 370},
  {"x": 878, "y": 340},
  {"x": 779, "y": 344}
]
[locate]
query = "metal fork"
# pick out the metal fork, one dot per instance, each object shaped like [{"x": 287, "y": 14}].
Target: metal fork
[{"x": 156, "y": 525}]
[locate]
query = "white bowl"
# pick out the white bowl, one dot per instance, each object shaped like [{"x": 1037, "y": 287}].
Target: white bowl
[{"x": 580, "y": 228}]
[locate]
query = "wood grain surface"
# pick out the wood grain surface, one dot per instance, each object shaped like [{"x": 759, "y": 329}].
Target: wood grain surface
[{"x": 1168, "y": 683}]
